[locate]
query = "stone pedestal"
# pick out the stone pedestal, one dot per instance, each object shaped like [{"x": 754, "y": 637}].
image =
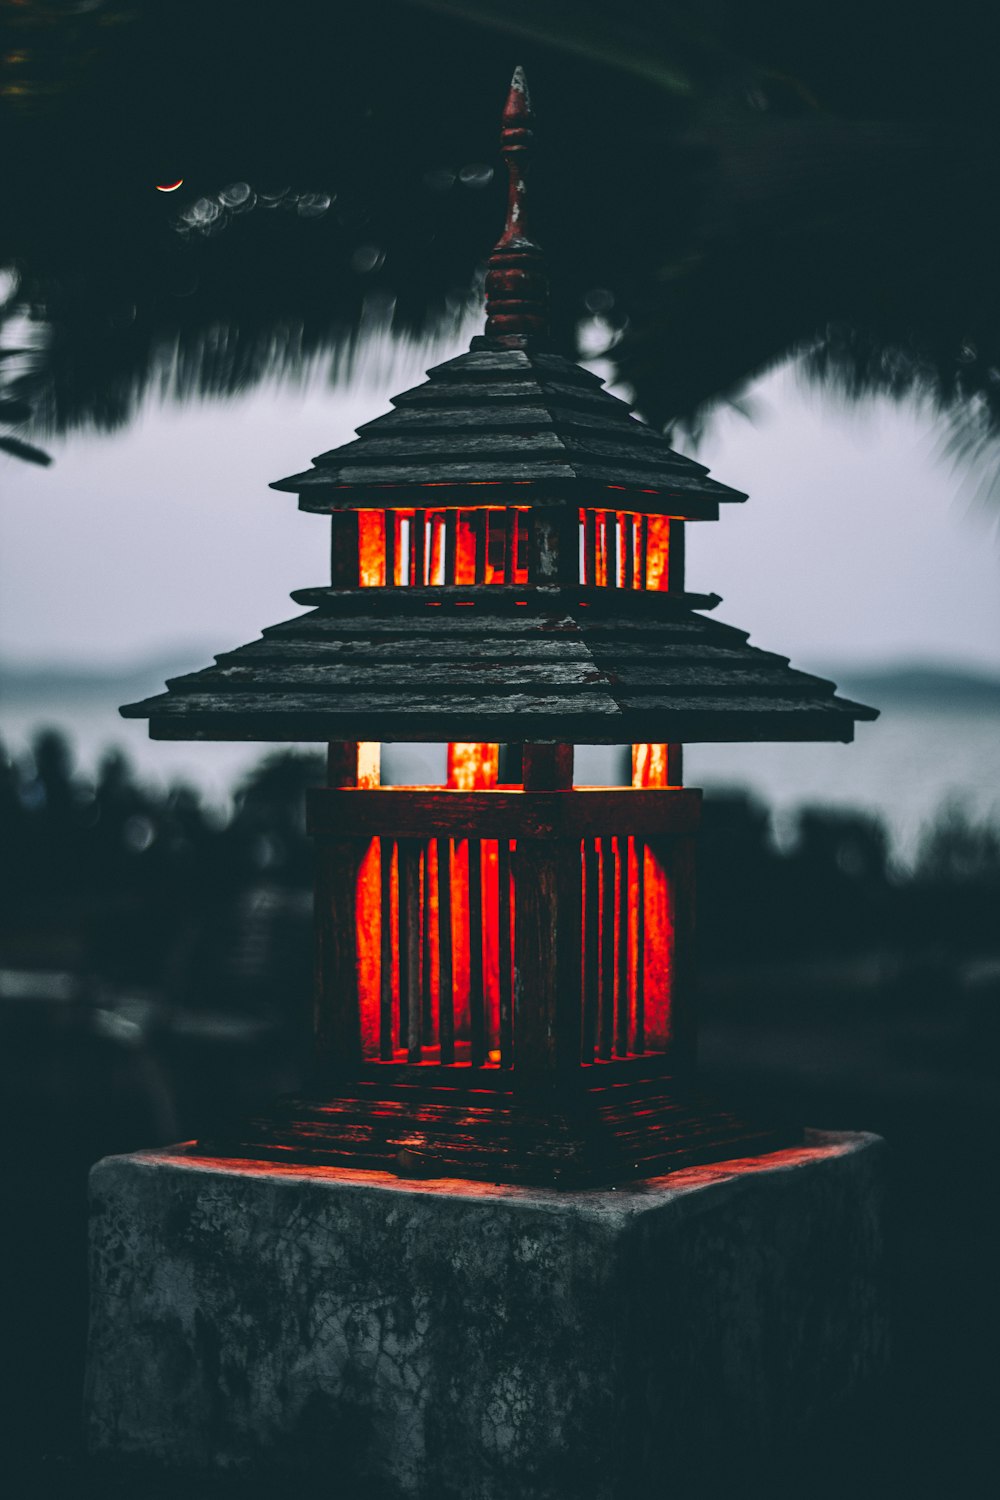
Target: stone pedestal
[{"x": 450, "y": 1339}]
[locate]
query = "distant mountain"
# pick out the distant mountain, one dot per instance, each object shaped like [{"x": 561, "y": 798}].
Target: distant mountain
[
  {"x": 917, "y": 685},
  {"x": 44, "y": 683}
]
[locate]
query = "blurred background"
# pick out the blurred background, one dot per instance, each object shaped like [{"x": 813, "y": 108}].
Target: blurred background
[{"x": 230, "y": 234}]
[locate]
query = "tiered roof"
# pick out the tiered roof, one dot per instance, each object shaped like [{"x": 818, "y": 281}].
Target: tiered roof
[
  {"x": 510, "y": 423},
  {"x": 510, "y": 416}
]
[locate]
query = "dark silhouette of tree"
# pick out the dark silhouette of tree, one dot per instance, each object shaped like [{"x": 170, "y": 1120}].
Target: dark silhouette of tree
[
  {"x": 727, "y": 184},
  {"x": 138, "y": 887}
]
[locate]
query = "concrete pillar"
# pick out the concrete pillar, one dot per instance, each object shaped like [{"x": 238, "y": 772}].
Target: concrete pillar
[{"x": 451, "y": 1339}]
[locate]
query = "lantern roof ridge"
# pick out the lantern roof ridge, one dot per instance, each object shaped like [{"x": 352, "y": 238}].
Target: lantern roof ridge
[{"x": 511, "y": 416}]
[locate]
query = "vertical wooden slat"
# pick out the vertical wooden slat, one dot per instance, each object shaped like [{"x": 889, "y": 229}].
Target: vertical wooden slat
[
  {"x": 644, "y": 552},
  {"x": 589, "y": 546},
  {"x": 506, "y": 974},
  {"x": 591, "y": 948},
  {"x": 435, "y": 546},
  {"x": 510, "y": 545},
  {"x": 345, "y": 570},
  {"x": 622, "y": 945},
  {"x": 601, "y": 548},
  {"x": 640, "y": 946},
  {"x": 409, "y": 948},
  {"x": 675, "y": 558},
  {"x": 613, "y": 540},
  {"x": 390, "y": 547},
  {"x": 477, "y": 998},
  {"x": 481, "y": 520},
  {"x": 416, "y": 542},
  {"x": 446, "y": 979},
  {"x": 406, "y": 546},
  {"x": 387, "y": 850},
  {"x": 607, "y": 1020},
  {"x": 426, "y": 951},
  {"x": 423, "y": 558},
  {"x": 450, "y": 544},
  {"x": 628, "y": 539}
]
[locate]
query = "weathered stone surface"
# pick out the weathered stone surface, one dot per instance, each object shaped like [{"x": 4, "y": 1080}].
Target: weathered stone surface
[{"x": 453, "y": 1339}]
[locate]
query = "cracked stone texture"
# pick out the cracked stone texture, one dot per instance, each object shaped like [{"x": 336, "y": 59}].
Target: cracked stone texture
[{"x": 448, "y": 1338}]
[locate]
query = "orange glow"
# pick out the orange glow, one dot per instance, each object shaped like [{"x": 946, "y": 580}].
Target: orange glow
[
  {"x": 491, "y": 940},
  {"x": 658, "y": 955},
  {"x": 685, "y": 1177},
  {"x": 637, "y": 944},
  {"x": 473, "y": 767},
  {"x": 657, "y": 552},
  {"x": 650, "y": 769},
  {"x": 601, "y": 549},
  {"x": 371, "y": 548},
  {"x": 368, "y": 926},
  {"x": 649, "y": 765},
  {"x": 436, "y": 548},
  {"x": 169, "y": 187},
  {"x": 612, "y": 545},
  {"x": 465, "y": 548},
  {"x": 517, "y": 534},
  {"x": 431, "y": 929},
  {"x": 369, "y": 763},
  {"x": 413, "y": 547},
  {"x": 461, "y": 931}
]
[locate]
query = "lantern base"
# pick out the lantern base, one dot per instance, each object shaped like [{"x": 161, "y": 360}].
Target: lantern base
[
  {"x": 613, "y": 1122},
  {"x": 453, "y": 1339}
]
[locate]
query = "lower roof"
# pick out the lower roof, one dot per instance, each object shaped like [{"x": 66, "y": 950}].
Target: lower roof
[{"x": 587, "y": 666}]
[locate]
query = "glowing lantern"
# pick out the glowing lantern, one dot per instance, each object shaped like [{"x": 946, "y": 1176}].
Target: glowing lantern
[{"x": 503, "y": 964}]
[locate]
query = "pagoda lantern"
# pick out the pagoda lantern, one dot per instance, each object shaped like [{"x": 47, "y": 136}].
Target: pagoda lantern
[{"x": 504, "y": 962}]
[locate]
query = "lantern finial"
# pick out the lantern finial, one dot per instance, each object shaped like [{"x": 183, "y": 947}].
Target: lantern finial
[{"x": 517, "y": 292}]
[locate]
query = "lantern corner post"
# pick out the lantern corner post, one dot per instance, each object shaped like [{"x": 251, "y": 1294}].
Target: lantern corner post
[
  {"x": 350, "y": 765},
  {"x": 548, "y": 936}
]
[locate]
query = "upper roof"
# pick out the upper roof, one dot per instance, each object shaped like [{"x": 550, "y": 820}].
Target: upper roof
[
  {"x": 510, "y": 416},
  {"x": 511, "y": 412}
]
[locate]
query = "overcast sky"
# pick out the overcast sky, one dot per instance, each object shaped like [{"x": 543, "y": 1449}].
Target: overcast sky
[{"x": 856, "y": 545}]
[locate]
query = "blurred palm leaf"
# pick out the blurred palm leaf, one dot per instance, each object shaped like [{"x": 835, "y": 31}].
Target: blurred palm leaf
[
  {"x": 731, "y": 183},
  {"x": 18, "y": 449}
]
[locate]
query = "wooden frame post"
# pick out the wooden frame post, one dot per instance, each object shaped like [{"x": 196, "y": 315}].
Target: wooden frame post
[
  {"x": 554, "y": 544},
  {"x": 336, "y": 1001},
  {"x": 548, "y": 936}
]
